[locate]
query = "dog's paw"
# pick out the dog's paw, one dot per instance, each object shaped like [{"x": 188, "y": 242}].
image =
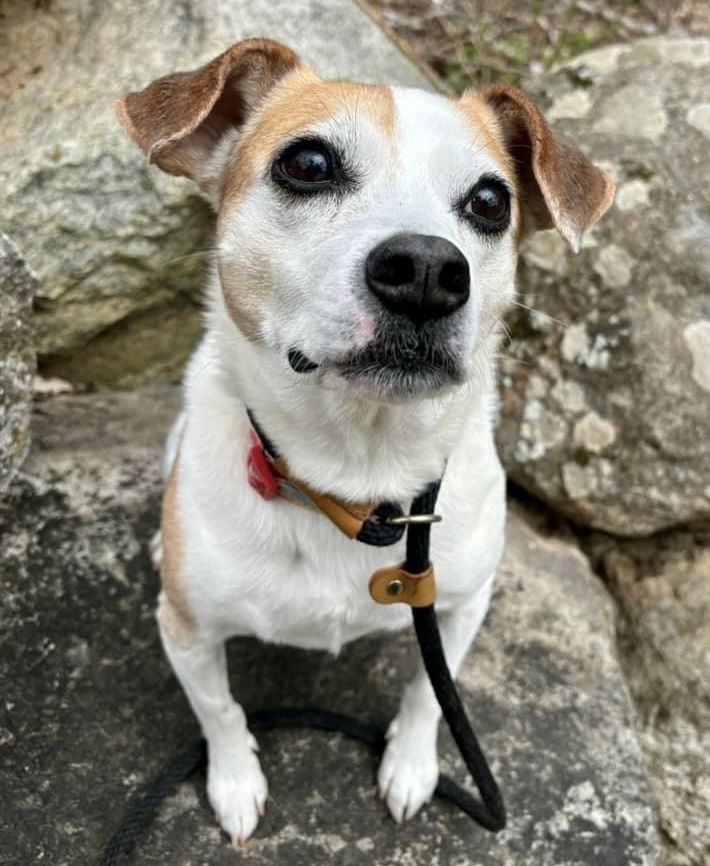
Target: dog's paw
[
  {"x": 409, "y": 771},
  {"x": 237, "y": 792}
]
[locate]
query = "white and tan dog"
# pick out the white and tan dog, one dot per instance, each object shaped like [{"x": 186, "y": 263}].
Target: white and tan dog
[{"x": 366, "y": 248}]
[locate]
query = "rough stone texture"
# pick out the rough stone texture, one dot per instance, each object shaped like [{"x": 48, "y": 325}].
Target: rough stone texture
[
  {"x": 113, "y": 241},
  {"x": 607, "y": 417},
  {"x": 91, "y": 710},
  {"x": 17, "y": 358},
  {"x": 663, "y": 587}
]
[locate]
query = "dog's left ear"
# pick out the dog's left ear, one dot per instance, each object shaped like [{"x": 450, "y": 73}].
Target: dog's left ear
[
  {"x": 559, "y": 187},
  {"x": 179, "y": 120}
]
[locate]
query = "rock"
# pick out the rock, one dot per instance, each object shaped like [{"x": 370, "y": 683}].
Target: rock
[
  {"x": 663, "y": 587},
  {"x": 17, "y": 358},
  {"x": 606, "y": 418},
  {"x": 92, "y": 711},
  {"x": 120, "y": 248}
]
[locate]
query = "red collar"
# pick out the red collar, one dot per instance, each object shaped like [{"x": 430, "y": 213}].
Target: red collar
[
  {"x": 260, "y": 471},
  {"x": 271, "y": 478}
]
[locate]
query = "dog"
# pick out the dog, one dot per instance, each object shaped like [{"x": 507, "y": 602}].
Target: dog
[{"x": 366, "y": 250}]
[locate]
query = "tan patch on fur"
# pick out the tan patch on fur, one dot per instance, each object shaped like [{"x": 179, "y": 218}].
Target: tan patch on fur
[
  {"x": 245, "y": 300},
  {"x": 297, "y": 103},
  {"x": 486, "y": 130},
  {"x": 489, "y": 135},
  {"x": 173, "y": 626},
  {"x": 172, "y": 573}
]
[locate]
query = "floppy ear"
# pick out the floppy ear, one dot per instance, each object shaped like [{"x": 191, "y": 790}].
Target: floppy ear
[
  {"x": 179, "y": 120},
  {"x": 558, "y": 185}
]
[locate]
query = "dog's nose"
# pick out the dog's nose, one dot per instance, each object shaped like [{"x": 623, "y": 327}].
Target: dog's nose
[{"x": 420, "y": 276}]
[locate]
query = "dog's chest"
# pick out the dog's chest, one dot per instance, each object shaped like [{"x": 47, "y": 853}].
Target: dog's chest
[
  {"x": 300, "y": 583},
  {"x": 286, "y": 574},
  {"x": 322, "y": 608}
]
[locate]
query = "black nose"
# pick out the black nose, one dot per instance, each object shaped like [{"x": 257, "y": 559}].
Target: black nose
[{"x": 420, "y": 276}]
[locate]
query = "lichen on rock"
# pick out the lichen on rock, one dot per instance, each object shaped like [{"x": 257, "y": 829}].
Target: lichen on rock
[{"x": 629, "y": 316}]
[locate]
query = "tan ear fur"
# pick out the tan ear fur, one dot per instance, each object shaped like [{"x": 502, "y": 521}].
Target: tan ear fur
[
  {"x": 558, "y": 185},
  {"x": 178, "y": 120}
]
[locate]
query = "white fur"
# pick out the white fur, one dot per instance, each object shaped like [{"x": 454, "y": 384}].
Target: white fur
[{"x": 285, "y": 574}]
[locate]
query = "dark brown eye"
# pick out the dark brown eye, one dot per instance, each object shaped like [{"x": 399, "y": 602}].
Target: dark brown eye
[
  {"x": 304, "y": 167},
  {"x": 488, "y": 206}
]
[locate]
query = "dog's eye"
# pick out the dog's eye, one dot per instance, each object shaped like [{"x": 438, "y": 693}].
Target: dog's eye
[
  {"x": 487, "y": 206},
  {"x": 307, "y": 164},
  {"x": 304, "y": 166}
]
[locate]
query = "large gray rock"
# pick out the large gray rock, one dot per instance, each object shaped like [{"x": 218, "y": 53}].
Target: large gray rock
[
  {"x": 113, "y": 241},
  {"x": 663, "y": 587},
  {"x": 91, "y": 710},
  {"x": 17, "y": 358},
  {"x": 607, "y": 417}
]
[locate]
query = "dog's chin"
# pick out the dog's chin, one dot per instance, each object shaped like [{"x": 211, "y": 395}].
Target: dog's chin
[{"x": 393, "y": 373}]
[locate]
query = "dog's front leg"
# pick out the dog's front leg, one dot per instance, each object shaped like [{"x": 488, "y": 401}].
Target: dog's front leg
[
  {"x": 236, "y": 787},
  {"x": 409, "y": 769}
]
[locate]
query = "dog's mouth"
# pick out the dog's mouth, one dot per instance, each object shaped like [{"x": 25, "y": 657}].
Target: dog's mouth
[
  {"x": 402, "y": 362},
  {"x": 402, "y": 369}
]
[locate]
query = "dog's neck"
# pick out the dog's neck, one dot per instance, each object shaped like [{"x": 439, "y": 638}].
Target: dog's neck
[{"x": 342, "y": 441}]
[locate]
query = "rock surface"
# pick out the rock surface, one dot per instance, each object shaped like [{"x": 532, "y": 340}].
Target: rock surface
[
  {"x": 17, "y": 358},
  {"x": 92, "y": 711},
  {"x": 607, "y": 417},
  {"x": 663, "y": 588},
  {"x": 117, "y": 245}
]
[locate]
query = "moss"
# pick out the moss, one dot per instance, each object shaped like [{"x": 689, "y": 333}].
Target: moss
[
  {"x": 475, "y": 70},
  {"x": 502, "y": 42},
  {"x": 517, "y": 47}
]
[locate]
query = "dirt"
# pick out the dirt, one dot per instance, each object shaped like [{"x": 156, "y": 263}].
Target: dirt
[{"x": 468, "y": 43}]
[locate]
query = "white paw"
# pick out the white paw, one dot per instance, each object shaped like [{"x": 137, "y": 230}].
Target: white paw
[
  {"x": 237, "y": 791},
  {"x": 409, "y": 771},
  {"x": 156, "y": 550}
]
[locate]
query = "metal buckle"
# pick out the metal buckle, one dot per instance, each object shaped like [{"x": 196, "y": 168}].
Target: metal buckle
[{"x": 406, "y": 519}]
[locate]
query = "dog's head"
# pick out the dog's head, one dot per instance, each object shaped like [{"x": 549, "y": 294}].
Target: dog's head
[{"x": 367, "y": 235}]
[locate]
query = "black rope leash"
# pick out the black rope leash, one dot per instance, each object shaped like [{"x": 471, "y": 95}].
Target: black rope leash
[
  {"x": 489, "y": 811},
  {"x": 145, "y": 805}
]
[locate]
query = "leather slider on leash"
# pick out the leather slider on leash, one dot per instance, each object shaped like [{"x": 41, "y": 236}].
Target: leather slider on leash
[{"x": 395, "y": 584}]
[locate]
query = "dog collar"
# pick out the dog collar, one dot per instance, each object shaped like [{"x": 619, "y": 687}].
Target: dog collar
[{"x": 379, "y": 524}]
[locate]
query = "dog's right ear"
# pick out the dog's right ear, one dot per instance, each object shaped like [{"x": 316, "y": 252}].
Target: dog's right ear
[
  {"x": 558, "y": 185},
  {"x": 179, "y": 120}
]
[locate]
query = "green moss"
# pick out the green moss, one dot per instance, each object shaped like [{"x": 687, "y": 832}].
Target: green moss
[
  {"x": 473, "y": 70},
  {"x": 517, "y": 47},
  {"x": 487, "y": 54}
]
